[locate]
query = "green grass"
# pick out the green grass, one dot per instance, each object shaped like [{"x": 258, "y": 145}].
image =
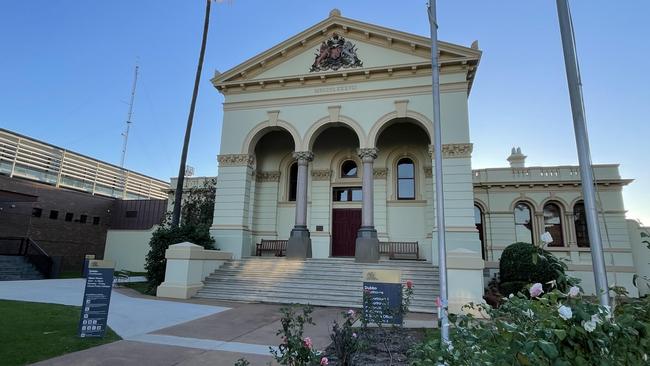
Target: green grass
[
  {"x": 141, "y": 287},
  {"x": 31, "y": 332},
  {"x": 70, "y": 274}
]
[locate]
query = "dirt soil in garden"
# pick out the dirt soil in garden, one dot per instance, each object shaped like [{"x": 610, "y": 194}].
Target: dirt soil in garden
[{"x": 386, "y": 346}]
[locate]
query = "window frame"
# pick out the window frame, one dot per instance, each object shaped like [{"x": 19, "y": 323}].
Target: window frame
[
  {"x": 562, "y": 241},
  {"x": 530, "y": 218},
  {"x": 413, "y": 179},
  {"x": 356, "y": 166},
  {"x": 481, "y": 230},
  {"x": 586, "y": 243},
  {"x": 292, "y": 183}
]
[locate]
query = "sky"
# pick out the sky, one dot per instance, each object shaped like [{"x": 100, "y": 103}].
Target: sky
[{"x": 66, "y": 70}]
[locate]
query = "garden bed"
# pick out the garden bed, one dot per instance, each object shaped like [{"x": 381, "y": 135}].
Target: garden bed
[{"x": 387, "y": 346}]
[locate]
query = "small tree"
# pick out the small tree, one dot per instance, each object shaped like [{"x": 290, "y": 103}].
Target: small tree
[{"x": 197, "y": 212}]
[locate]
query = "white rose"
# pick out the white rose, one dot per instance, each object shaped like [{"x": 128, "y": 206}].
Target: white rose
[
  {"x": 565, "y": 312},
  {"x": 574, "y": 291},
  {"x": 589, "y": 326}
]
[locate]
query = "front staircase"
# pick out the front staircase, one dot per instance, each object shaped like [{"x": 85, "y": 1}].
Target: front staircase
[
  {"x": 325, "y": 282},
  {"x": 17, "y": 268}
]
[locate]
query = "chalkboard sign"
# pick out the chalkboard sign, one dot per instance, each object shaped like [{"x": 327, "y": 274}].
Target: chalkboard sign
[
  {"x": 96, "y": 300},
  {"x": 383, "y": 289}
]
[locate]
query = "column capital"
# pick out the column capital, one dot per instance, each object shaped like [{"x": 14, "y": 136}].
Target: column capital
[
  {"x": 368, "y": 155},
  {"x": 303, "y": 156}
]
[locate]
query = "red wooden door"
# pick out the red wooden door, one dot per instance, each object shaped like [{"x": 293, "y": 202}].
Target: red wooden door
[{"x": 345, "y": 225}]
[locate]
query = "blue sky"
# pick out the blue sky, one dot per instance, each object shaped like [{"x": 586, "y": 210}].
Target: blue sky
[{"x": 67, "y": 67}]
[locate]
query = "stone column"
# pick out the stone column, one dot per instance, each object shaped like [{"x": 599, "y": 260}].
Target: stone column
[
  {"x": 367, "y": 244},
  {"x": 299, "y": 245}
]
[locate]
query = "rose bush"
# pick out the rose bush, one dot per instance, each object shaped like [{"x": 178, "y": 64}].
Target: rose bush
[{"x": 555, "y": 328}]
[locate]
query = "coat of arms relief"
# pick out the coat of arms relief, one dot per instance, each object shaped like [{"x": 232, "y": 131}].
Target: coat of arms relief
[{"x": 336, "y": 53}]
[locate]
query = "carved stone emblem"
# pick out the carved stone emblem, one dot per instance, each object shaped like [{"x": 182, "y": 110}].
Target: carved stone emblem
[{"x": 336, "y": 53}]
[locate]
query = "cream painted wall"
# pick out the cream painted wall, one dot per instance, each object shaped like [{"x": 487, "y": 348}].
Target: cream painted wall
[{"x": 128, "y": 248}]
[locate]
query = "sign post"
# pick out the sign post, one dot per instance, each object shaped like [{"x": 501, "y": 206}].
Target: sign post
[
  {"x": 382, "y": 296},
  {"x": 97, "y": 297}
]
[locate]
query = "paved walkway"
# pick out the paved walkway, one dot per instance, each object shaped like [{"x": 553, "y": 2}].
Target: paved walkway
[{"x": 176, "y": 332}]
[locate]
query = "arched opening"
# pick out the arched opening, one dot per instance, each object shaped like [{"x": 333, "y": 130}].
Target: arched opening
[
  {"x": 580, "y": 222},
  {"x": 553, "y": 223},
  {"x": 478, "y": 221},
  {"x": 523, "y": 223},
  {"x": 403, "y": 147},
  {"x": 273, "y": 160},
  {"x": 335, "y": 152},
  {"x": 424, "y": 128}
]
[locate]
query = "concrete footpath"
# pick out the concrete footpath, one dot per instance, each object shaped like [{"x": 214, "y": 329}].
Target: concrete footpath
[
  {"x": 178, "y": 332},
  {"x": 162, "y": 332}
]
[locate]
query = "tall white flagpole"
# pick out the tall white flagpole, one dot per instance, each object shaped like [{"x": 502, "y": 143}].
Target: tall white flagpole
[
  {"x": 437, "y": 152},
  {"x": 584, "y": 154}
]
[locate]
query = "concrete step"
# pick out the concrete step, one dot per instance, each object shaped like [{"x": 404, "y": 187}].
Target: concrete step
[
  {"x": 324, "y": 282},
  {"x": 15, "y": 268}
]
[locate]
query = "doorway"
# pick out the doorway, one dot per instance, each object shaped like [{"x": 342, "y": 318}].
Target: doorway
[{"x": 345, "y": 225}]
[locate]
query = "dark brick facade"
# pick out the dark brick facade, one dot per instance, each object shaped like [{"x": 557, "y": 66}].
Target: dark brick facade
[{"x": 71, "y": 223}]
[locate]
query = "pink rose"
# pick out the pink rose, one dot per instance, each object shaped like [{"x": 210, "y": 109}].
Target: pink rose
[
  {"x": 351, "y": 312},
  {"x": 308, "y": 342},
  {"x": 409, "y": 284},
  {"x": 324, "y": 361},
  {"x": 354, "y": 335},
  {"x": 536, "y": 290},
  {"x": 574, "y": 291}
]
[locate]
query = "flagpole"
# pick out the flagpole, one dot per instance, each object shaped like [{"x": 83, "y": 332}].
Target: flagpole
[
  {"x": 437, "y": 152},
  {"x": 584, "y": 154}
]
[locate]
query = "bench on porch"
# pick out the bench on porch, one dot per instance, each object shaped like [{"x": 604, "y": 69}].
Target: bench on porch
[
  {"x": 279, "y": 247},
  {"x": 400, "y": 249}
]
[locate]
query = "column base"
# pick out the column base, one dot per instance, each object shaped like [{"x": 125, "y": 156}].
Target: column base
[
  {"x": 299, "y": 244},
  {"x": 367, "y": 245}
]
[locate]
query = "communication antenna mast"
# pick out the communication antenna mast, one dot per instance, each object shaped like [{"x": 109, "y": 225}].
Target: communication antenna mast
[{"x": 125, "y": 134}]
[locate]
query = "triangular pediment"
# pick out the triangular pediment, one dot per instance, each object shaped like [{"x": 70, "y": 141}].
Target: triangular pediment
[{"x": 375, "y": 48}]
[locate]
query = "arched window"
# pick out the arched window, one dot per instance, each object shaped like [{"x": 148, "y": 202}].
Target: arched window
[
  {"x": 553, "y": 223},
  {"x": 478, "y": 221},
  {"x": 293, "y": 181},
  {"x": 523, "y": 223},
  {"x": 349, "y": 169},
  {"x": 405, "y": 179},
  {"x": 580, "y": 220}
]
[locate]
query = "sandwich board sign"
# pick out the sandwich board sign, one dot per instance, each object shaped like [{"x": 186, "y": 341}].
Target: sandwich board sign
[
  {"x": 96, "y": 300},
  {"x": 383, "y": 290}
]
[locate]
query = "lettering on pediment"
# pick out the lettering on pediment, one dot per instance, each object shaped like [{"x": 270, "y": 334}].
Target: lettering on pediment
[{"x": 335, "y": 53}]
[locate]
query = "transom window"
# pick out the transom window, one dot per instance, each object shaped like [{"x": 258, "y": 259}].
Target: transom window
[
  {"x": 553, "y": 223},
  {"x": 293, "y": 181},
  {"x": 347, "y": 194},
  {"x": 523, "y": 223},
  {"x": 349, "y": 169},
  {"x": 405, "y": 179}
]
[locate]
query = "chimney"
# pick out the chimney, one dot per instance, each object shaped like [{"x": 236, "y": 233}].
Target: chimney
[{"x": 516, "y": 158}]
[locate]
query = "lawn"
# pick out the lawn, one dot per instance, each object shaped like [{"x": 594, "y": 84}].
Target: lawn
[{"x": 31, "y": 332}]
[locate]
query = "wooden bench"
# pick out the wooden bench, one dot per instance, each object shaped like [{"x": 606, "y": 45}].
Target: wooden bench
[
  {"x": 400, "y": 249},
  {"x": 279, "y": 247}
]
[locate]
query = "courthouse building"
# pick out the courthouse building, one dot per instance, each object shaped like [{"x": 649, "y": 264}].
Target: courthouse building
[{"x": 327, "y": 142}]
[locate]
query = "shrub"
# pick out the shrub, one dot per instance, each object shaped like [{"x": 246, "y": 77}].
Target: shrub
[
  {"x": 345, "y": 341},
  {"x": 165, "y": 236},
  {"x": 523, "y": 263},
  {"x": 294, "y": 349},
  {"x": 554, "y": 329}
]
